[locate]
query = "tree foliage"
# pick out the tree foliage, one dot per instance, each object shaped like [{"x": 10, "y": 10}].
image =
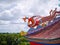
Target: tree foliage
[{"x": 13, "y": 39}]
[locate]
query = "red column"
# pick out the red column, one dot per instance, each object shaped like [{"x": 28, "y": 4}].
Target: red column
[{"x": 33, "y": 43}]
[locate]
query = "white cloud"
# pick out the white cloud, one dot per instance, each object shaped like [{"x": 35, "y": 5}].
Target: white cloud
[
  {"x": 12, "y": 12},
  {"x": 4, "y": 22}
]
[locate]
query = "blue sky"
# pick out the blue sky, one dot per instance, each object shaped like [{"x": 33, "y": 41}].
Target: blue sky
[{"x": 12, "y": 12}]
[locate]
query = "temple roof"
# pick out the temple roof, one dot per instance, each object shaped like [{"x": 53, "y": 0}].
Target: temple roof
[{"x": 49, "y": 32}]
